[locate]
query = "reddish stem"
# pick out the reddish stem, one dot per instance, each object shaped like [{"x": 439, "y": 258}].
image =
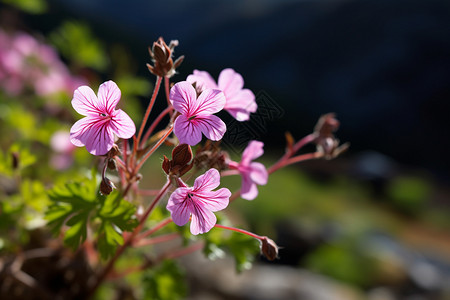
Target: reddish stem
[
  {"x": 229, "y": 173},
  {"x": 240, "y": 231},
  {"x": 153, "y": 149},
  {"x": 293, "y": 160},
  {"x": 156, "y": 240},
  {"x": 149, "y": 107},
  {"x": 158, "y": 226},
  {"x": 154, "y": 124},
  {"x": 167, "y": 86},
  {"x": 148, "y": 192}
]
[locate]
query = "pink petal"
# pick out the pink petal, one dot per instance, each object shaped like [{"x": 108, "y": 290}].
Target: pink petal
[
  {"x": 85, "y": 102},
  {"x": 186, "y": 131},
  {"x": 202, "y": 79},
  {"x": 94, "y": 133},
  {"x": 208, "y": 181},
  {"x": 78, "y": 130},
  {"x": 179, "y": 207},
  {"x": 215, "y": 200},
  {"x": 241, "y": 104},
  {"x": 122, "y": 125},
  {"x": 253, "y": 150},
  {"x": 202, "y": 220},
  {"x": 183, "y": 97},
  {"x": 249, "y": 191},
  {"x": 212, "y": 127},
  {"x": 209, "y": 102},
  {"x": 258, "y": 173},
  {"x": 230, "y": 82},
  {"x": 109, "y": 95}
]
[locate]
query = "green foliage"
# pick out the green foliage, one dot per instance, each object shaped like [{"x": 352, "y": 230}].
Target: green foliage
[
  {"x": 76, "y": 42},
  {"x": 164, "y": 282},
  {"x": 409, "y": 194},
  {"x": 242, "y": 247},
  {"x": 116, "y": 215},
  {"x": 29, "y": 6},
  {"x": 79, "y": 204},
  {"x": 344, "y": 261}
]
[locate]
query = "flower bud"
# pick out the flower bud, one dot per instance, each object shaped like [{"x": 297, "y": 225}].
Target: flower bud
[
  {"x": 181, "y": 155},
  {"x": 106, "y": 186},
  {"x": 269, "y": 249},
  {"x": 179, "y": 165},
  {"x": 161, "y": 54}
]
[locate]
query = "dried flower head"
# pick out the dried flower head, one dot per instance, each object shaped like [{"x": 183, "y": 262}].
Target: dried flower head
[
  {"x": 326, "y": 142},
  {"x": 161, "y": 54},
  {"x": 211, "y": 155}
]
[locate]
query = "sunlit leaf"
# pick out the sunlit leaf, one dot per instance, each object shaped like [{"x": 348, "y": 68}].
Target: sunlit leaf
[{"x": 164, "y": 282}]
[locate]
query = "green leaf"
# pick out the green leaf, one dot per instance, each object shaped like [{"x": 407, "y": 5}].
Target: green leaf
[
  {"x": 77, "y": 233},
  {"x": 108, "y": 240},
  {"x": 119, "y": 212},
  {"x": 116, "y": 215},
  {"x": 164, "y": 282},
  {"x": 244, "y": 249},
  {"x": 72, "y": 205}
]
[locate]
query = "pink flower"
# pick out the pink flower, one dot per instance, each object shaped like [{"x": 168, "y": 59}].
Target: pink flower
[
  {"x": 199, "y": 202},
  {"x": 197, "y": 113},
  {"x": 96, "y": 131},
  {"x": 239, "y": 102},
  {"x": 26, "y": 63},
  {"x": 252, "y": 173}
]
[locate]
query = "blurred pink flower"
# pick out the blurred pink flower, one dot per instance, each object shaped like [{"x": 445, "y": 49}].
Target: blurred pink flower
[
  {"x": 62, "y": 158},
  {"x": 240, "y": 102},
  {"x": 252, "y": 173},
  {"x": 199, "y": 202},
  {"x": 96, "y": 131},
  {"x": 197, "y": 113},
  {"x": 25, "y": 63}
]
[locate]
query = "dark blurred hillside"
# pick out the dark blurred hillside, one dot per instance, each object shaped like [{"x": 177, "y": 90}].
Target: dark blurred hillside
[{"x": 383, "y": 66}]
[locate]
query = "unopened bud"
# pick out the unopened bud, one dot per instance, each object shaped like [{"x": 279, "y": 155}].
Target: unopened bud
[
  {"x": 181, "y": 155},
  {"x": 269, "y": 249},
  {"x": 106, "y": 186}
]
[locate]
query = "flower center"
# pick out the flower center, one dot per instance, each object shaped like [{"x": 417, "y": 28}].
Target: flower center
[{"x": 103, "y": 114}]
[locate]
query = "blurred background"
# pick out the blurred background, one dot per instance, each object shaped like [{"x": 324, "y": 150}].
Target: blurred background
[{"x": 373, "y": 223}]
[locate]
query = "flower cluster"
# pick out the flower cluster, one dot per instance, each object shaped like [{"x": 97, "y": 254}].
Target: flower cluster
[{"x": 192, "y": 105}]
